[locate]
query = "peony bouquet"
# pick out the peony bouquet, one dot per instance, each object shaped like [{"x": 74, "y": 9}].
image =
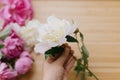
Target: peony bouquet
[
  {"x": 15, "y": 59},
  {"x": 20, "y": 34}
]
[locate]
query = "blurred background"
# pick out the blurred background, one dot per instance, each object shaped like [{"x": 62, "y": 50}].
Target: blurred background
[{"x": 99, "y": 21}]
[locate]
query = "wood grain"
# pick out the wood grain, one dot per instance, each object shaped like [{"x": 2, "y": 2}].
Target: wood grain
[{"x": 100, "y": 23}]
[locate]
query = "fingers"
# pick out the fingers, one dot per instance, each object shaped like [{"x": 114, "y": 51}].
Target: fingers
[
  {"x": 61, "y": 60},
  {"x": 69, "y": 65},
  {"x": 63, "y": 57},
  {"x": 70, "y": 55},
  {"x": 50, "y": 59}
]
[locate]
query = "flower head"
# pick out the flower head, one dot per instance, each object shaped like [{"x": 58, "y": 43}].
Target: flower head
[
  {"x": 23, "y": 65},
  {"x": 29, "y": 33},
  {"x": 53, "y": 34},
  {"x": 13, "y": 46},
  {"x": 16, "y": 11}
]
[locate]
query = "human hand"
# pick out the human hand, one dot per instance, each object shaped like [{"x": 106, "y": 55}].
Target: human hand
[{"x": 58, "y": 69}]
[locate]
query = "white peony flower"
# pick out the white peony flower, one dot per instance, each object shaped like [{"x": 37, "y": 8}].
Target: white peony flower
[
  {"x": 53, "y": 34},
  {"x": 29, "y": 33}
]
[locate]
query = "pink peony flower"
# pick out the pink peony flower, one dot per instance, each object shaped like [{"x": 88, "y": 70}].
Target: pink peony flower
[
  {"x": 13, "y": 46},
  {"x": 23, "y": 65},
  {"x": 16, "y": 11},
  {"x": 6, "y": 73}
]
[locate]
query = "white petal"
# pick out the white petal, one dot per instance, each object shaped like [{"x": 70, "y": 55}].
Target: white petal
[
  {"x": 41, "y": 34},
  {"x": 34, "y": 23},
  {"x": 52, "y": 44},
  {"x": 62, "y": 40},
  {"x": 41, "y": 48},
  {"x": 71, "y": 29},
  {"x": 52, "y": 19},
  {"x": 74, "y": 27},
  {"x": 16, "y": 27}
]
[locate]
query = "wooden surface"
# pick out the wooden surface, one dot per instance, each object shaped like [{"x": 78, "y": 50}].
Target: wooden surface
[{"x": 100, "y": 23}]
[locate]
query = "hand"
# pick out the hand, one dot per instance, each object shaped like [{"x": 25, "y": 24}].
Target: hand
[{"x": 58, "y": 69}]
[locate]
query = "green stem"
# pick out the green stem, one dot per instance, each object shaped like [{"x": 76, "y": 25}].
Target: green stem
[
  {"x": 92, "y": 74},
  {"x": 87, "y": 69},
  {"x": 84, "y": 61},
  {"x": 78, "y": 43}
]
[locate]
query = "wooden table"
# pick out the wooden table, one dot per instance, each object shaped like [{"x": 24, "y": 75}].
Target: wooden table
[{"x": 99, "y": 20}]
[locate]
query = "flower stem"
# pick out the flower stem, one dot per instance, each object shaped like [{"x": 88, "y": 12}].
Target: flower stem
[
  {"x": 84, "y": 63},
  {"x": 87, "y": 69},
  {"x": 92, "y": 74},
  {"x": 78, "y": 44}
]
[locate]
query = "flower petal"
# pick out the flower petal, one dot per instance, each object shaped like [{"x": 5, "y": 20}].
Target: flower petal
[
  {"x": 5, "y": 13},
  {"x": 2, "y": 66},
  {"x": 41, "y": 48},
  {"x": 10, "y": 74}
]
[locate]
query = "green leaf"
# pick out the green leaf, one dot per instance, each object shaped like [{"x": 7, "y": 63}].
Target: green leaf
[
  {"x": 4, "y": 33},
  {"x": 85, "y": 51},
  {"x": 79, "y": 68},
  {"x": 1, "y": 46},
  {"x": 53, "y": 51},
  {"x": 82, "y": 37},
  {"x": 79, "y": 61},
  {"x": 90, "y": 74},
  {"x": 83, "y": 76},
  {"x": 71, "y": 39}
]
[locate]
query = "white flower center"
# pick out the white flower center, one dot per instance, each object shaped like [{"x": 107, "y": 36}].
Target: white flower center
[{"x": 54, "y": 36}]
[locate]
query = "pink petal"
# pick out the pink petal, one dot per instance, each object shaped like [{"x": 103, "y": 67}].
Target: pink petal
[
  {"x": 5, "y": 13},
  {"x": 10, "y": 74}
]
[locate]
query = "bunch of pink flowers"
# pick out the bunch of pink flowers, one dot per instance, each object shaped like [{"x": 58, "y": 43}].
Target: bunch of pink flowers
[{"x": 14, "y": 59}]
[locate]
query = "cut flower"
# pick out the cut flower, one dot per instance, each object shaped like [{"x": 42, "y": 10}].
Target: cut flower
[{"x": 53, "y": 33}]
